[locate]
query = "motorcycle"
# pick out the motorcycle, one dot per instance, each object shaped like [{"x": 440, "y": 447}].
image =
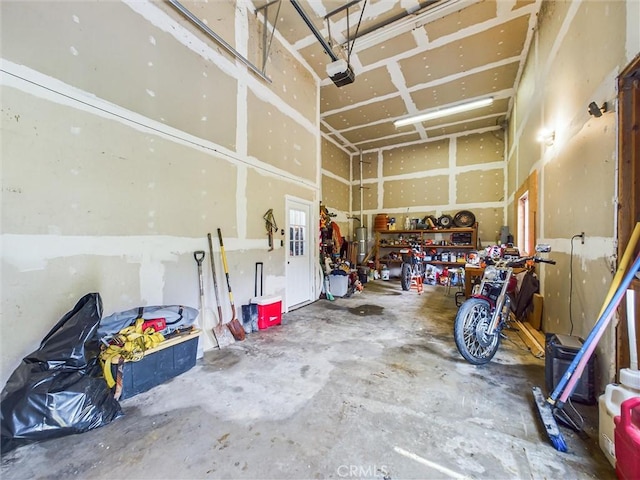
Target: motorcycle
[
  {"x": 412, "y": 270},
  {"x": 482, "y": 317}
]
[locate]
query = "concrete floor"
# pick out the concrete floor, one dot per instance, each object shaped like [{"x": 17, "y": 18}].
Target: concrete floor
[{"x": 370, "y": 386}]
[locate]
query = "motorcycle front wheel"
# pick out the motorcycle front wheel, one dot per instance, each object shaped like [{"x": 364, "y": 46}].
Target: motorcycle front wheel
[
  {"x": 405, "y": 276},
  {"x": 470, "y": 332}
]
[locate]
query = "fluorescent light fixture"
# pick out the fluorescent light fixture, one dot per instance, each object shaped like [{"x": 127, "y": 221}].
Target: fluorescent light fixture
[
  {"x": 463, "y": 107},
  {"x": 411, "y": 21}
]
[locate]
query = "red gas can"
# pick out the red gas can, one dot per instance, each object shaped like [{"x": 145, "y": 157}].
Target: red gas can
[{"x": 627, "y": 440}]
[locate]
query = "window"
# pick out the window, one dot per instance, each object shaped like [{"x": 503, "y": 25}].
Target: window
[{"x": 297, "y": 233}]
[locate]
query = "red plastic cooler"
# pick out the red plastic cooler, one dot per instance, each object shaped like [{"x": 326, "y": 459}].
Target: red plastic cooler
[
  {"x": 627, "y": 440},
  {"x": 269, "y": 311}
]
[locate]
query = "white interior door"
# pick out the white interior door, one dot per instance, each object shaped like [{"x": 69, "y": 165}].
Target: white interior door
[{"x": 299, "y": 271}]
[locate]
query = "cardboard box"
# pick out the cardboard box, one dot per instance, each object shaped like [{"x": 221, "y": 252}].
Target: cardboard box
[
  {"x": 534, "y": 317},
  {"x": 269, "y": 311}
]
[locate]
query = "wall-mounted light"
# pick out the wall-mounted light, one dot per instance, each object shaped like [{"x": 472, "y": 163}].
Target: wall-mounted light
[
  {"x": 546, "y": 136},
  {"x": 597, "y": 111},
  {"x": 443, "y": 112}
]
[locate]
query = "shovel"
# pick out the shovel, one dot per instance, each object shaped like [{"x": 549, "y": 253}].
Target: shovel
[
  {"x": 235, "y": 327},
  {"x": 224, "y": 337},
  {"x": 206, "y": 317}
]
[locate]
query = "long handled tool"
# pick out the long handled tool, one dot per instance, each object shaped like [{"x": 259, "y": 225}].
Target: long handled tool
[
  {"x": 556, "y": 401},
  {"x": 260, "y": 266},
  {"x": 199, "y": 257},
  {"x": 567, "y": 383},
  {"x": 220, "y": 324},
  {"x": 235, "y": 327}
]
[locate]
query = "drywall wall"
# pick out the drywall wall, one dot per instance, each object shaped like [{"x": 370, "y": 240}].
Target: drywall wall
[
  {"x": 336, "y": 185},
  {"x": 127, "y": 136},
  {"x": 578, "y": 169},
  {"x": 443, "y": 176},
  {"x": 369, "y": 166}
]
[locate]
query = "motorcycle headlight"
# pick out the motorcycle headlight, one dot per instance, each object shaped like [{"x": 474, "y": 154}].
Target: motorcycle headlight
[{"x": 491, "y": 273}]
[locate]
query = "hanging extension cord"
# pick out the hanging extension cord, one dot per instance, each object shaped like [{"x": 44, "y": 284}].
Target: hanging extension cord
[{"x": 580, "y": 235}]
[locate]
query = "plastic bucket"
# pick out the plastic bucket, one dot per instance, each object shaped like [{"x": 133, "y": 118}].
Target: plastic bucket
[{"x": 609, "y": 408}]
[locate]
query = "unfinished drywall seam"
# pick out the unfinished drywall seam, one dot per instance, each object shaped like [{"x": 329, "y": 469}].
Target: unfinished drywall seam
[
  {"x": 242, "y": 28},
  {"x": 28, "y": 252},
  {"x": 398, "y": 80},
  {"x": 318, "y": 193},
  {"x": 605, "y": 91},
  {"x": 351, "y": 227},
  {"x": 564, "y": 133},
  {"x": 330, "y": 174},
  {"x": 433, "y": 207},
  {"x": 506, "y": 175},
  {"x": 331, "y": 139},
  {"x": 242, "y": 203},
  {"x": 167, "y": 24},
  {"x": 43, "y": 86},
  {"x": 430, "y": 84},
  {"x": 597, "y": 248},
  {"x": 633, "y": 32},
  {"x": 550, "y": 58},
  {"x": 242, "y": 121},
  {"x": 453, "y": 37},
  {"x": 337, "y": 134},
  {"x": 380, "y": 180},
  {"x": 449, "y": 170},
  {"x": 159, "y": 19},
  {"x": 292, "y": 49},
  {"x": 435, "y": 139},
  {"x": 453, "y": 147},
  {"x": 531, "y": 34},
  {"x": 411, "y": 109}
]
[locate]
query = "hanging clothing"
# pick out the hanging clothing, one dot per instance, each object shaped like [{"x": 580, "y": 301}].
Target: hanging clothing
[{"x": 336, "y": 236}]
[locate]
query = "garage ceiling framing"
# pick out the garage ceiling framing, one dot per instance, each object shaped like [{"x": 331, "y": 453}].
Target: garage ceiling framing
[{"x": 410, "y": 59}]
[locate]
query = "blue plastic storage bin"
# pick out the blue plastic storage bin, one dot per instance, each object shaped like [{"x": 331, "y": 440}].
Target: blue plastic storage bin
[{"x": 162, "y": 363}]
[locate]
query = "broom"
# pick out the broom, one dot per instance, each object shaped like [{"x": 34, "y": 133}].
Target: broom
[{"x": 554, "y": 404}]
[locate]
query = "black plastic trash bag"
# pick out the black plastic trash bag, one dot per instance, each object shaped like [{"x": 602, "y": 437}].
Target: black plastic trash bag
[{"x": 57, "y": 390}]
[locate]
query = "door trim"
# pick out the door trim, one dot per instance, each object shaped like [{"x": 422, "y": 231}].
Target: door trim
[
  {"x": 313, "y": 251},
  {"x": 628, "y": 189}
]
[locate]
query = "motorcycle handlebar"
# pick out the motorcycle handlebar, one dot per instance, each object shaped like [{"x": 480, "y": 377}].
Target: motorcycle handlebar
[
  {"x": 520, "y": 261},
  {"x": 544, "y": 260}
]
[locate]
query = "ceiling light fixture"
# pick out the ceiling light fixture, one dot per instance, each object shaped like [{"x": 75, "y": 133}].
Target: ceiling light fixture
[
  {"x": 546, "y": 136},
  {"x": 462, "y": 107},
  {"x": 431, "y": 12}
]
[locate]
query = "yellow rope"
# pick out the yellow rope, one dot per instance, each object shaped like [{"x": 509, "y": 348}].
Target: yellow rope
[{"x": 130, "y": 344}]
